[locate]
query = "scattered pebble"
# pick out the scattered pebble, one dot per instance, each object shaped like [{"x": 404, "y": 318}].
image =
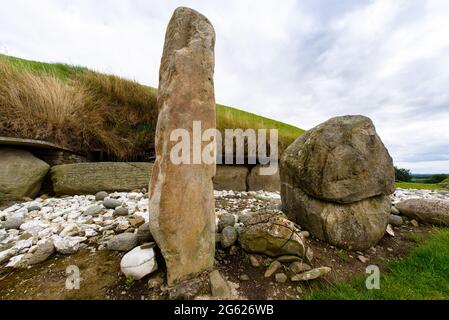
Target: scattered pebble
[
  {"x": 363, "y": 259},
  {"x": 281, "y": 277},
  {"x": 274, "y": 266}
]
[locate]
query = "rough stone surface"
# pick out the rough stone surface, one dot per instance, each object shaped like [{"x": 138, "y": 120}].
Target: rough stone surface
[
  {"x": 342, "y": 160},
  {"x": 312, "y": 274},
  {"x": 281, "y": 277},
  {"x": 100, "y": 196},
  {"x": 395, "y": 211},
  {"x": 299, "y": 267},
  {"x": 90, "y": 178},
  {"x": 67, "y": 245},
  {"x": 231, "y": 178},
  {"x": 426, "y": 210},
  {"x": 227, "y": 220},
  {"x": 186, "y": 290},
  {"x": 139, "y": 262},
  {"x": 356, "y": 226},
  {"x": 110, "y": 203},
  {"x": 336, "y": 182},
  {"x": 42, "y": 252},
  {"x": 121, "y": 211},
  {"x": 93, "y": 211},
  {"x": 123, "y": 242},
  {"x": 12, "y": 223},
  {"x": 269, "y": 232},
  {"x": 254, "y": 261},
  {"x": 21, "y": 174},
  {"x": 137, "y": 221},
  {"x": 396, "y": 221},
  {"x": 144, "y": 234},
  {"x": 219, "y": 286},
  {"x": 229, "y": 236},
  {"x": 257, "y": 182},
  {"x": 182, "y": 204},
  {"x": 34, "y": 208},
  {"x": 287, "y": 259},
  {"x": 272, "y": 268}
]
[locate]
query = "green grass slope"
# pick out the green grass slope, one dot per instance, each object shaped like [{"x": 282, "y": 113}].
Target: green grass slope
[
  {"x": 422, "y": 275},
  {"x": 84, "y": 110}
]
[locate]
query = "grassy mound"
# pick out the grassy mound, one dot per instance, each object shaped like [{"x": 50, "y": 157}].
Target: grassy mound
[{"x": 85, "y": 110}]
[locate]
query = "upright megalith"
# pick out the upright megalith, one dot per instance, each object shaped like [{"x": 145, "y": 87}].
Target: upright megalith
[{"x": 182, "y": 205}]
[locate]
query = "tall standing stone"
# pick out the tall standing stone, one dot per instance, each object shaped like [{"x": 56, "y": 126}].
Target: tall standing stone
[{"x": 182, "y": 203}]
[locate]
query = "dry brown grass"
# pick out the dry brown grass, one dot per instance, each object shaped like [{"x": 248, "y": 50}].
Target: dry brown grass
[
  {"x": 84, "y": 110},
  {"x": 87, "y": 112}
]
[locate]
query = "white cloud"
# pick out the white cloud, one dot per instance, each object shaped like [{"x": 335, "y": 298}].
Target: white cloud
[{"x": 299, "y": 62}]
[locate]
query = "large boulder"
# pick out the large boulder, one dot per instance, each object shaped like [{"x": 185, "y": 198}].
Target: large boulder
[
  {"x": 257, "y": 181},
  {"x": 270, "y": 233},
  {"x": 354, "y": 226},
  {"x": 336, "y": 180},
  {"x": 21, "y": 174},
  {"x": 231, "y": 178},
  {"x": 91, "y": 178},
  {"x": 181, "y": 195},
  {"x": 342, "y": 160},
  {"x": 426, "y": 210}
]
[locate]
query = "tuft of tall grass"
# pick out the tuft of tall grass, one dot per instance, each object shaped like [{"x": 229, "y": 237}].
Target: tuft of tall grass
[{"x": 86, "y": 112}]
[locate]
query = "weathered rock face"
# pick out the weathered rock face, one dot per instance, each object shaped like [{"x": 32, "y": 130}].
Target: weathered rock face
[
  {"x": 257, "y": 182},
  {"x": 231, "y": 178},
  {"x": 426, "y": 210},
  {"x": 335, "y": 182},
  {"x": 342, "y": 160},
  {"x": 90, "y": 178},
  {"x": 182, "y": 219},
  {"x": 21, "y": 174},
  {"x": 139, "y": 262},
  {"x": 269, "y": 232},
  {"x": 354, "y": 226}
]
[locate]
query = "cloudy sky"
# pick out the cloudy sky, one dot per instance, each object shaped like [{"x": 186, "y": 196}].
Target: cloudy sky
[{"x": 300, "y": 62}]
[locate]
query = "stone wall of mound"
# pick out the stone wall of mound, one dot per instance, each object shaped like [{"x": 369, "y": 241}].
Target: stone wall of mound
[{"x": 62, "y": 172}]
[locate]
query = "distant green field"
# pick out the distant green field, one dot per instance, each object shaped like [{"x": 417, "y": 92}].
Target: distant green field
[
  {"x": 56, "y": 96},
  {"x": 419, "y": 186},
  {"x": 422, "y": 275},
  {"x": 446, "y": 180}
]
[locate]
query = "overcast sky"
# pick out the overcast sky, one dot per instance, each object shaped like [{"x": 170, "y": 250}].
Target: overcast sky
[{"x": 300, "y": 62}]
